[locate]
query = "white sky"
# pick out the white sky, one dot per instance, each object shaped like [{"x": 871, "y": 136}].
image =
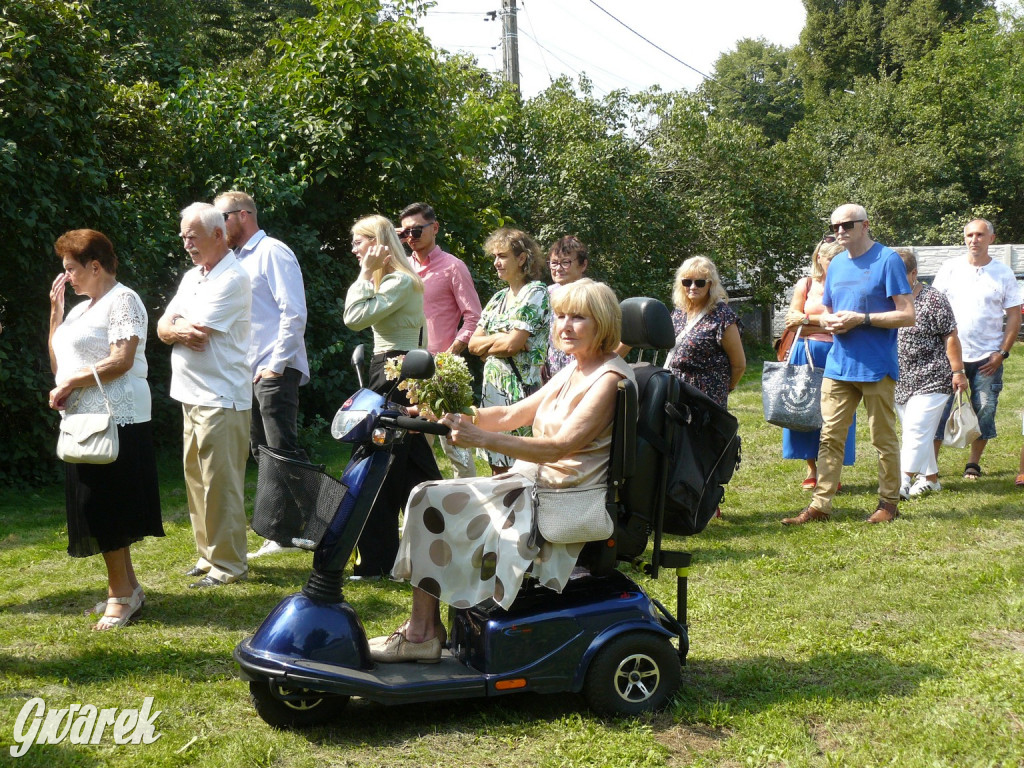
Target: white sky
[{"x": 575, "y": 36}]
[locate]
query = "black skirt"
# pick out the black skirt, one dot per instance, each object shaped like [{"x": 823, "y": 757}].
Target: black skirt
[{"x": 110, "y": 506}]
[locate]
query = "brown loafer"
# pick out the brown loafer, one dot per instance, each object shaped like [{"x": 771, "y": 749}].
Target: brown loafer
[
  {"x": 885, "y": 513},
  {"x": 807, "y": 515},
  {"x": 397, "y": 649}
]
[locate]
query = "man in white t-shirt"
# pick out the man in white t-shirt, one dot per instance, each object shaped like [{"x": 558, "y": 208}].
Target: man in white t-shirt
[
  {"x": 981, "y": 291},
  {"x": 207, "y": 323}
]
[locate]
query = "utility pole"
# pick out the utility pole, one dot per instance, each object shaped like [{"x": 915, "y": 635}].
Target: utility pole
[{"x": 510, "y": 42}]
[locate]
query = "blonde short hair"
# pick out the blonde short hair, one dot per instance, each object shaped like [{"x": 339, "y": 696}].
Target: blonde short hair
[
  {"x": 823, "y": 249},
  {"x": 699, "y": 267},
  {"x": 237, "y": 199},
  {"x": 595, "y": 300},
  {"x": 381, "y": 229}
]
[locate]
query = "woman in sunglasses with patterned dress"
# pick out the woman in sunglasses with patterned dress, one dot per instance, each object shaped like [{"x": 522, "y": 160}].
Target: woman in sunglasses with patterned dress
[{"x": 708, "y": 353}]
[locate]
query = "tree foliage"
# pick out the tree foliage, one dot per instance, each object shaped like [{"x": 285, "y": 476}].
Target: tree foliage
[
  {"x": 116, "y": 115},
  {"x": 843, "y": 40},
  {"x": 757, "y": 85}
]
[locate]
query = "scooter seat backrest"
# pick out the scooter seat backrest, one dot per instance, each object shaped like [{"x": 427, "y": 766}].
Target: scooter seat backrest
[
  {"x": 634, "y": 466},
  {"x": 646, "y": 324}
]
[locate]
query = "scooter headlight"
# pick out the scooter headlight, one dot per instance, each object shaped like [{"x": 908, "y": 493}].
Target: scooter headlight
[
  {"x": 380, "y": 436},
  {"x": 345, "y": 421}
]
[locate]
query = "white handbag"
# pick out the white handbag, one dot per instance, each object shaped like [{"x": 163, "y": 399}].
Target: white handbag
[
  {"x": 572, "y": 515},
  {"x": 89, "y": 438},
  {"x": 962, "y": 425}
]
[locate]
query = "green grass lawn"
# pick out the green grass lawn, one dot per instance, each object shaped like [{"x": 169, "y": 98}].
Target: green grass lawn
[{"x": 826, "y": 645}]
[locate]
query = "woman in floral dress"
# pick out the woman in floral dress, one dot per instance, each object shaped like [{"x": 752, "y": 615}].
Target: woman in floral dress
[
  {"x": 708, "y": 353},
  {"x": 512, "y": 335}
]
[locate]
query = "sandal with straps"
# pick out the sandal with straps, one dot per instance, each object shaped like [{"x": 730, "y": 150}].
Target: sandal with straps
[
  {"x": 972, "y": 471},
  {"x": 101, "y": 606},
  {"x": 1019, "y": 480},
  {"x": 110, "y": 622}
]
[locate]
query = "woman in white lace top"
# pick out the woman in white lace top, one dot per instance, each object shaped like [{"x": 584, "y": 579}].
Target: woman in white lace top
[{"x": 109, "y": 506}]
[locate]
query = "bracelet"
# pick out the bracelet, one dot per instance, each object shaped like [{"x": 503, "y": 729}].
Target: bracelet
[
  {"x": 473, "y": 414},
  {"x": 959, "y": 373}
]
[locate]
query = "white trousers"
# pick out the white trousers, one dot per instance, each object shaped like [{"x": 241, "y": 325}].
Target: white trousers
[{"x": 920, "y": 417}]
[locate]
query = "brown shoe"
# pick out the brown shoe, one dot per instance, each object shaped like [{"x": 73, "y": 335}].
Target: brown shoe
[
  {"x": 885, "y": 513},
  {"x": 807, "y": 515}
]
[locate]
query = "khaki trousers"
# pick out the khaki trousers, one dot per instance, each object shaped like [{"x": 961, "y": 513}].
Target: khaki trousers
[
  {"x": 216, "y": 449},
  {"x": 839, "y": 401}
]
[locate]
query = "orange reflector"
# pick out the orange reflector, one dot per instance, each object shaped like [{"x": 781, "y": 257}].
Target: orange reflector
[
  {"x": 508, "y": 685},
  {"x": 610, "y": 543}
]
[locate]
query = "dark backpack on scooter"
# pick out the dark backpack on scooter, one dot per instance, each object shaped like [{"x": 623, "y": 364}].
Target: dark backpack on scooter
[{"x": 702, "y": 443}]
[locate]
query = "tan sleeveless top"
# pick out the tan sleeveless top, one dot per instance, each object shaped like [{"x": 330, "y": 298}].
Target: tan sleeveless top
[{"x": 588, "y": 466}]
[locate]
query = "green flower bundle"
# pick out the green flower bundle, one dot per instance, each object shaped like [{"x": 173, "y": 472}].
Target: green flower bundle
[{"x": 449, "y": 390}]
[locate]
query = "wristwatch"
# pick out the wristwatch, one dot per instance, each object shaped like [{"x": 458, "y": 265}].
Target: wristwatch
[
  {"x": 806, "y": 320},
  {"x": 867, "y": 319},
  {"x": 1004, "y": 354}
]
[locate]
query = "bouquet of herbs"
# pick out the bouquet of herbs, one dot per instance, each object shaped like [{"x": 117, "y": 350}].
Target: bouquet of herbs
[{"x": 449, "y": 390}]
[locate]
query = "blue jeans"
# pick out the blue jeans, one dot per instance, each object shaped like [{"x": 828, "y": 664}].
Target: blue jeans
[{"x": 984, "y": 398}]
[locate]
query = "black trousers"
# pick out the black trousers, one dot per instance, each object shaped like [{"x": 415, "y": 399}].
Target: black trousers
[{"x": 413, "y": 463}]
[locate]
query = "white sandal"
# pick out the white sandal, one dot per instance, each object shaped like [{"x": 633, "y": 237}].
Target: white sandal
[
  {"x": 110, "y": 622},
  {"x": 101, "y": 606}
]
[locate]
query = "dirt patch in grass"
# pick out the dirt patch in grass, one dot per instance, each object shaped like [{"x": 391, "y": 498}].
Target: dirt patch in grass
[
  {"x": 1002, "y": 639},
  {"x": 686, "y": 743},
  {"x": 823, "y": 737}
]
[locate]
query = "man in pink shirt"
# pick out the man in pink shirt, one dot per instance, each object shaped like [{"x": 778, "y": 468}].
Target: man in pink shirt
[{"x": 450, "y": 301}]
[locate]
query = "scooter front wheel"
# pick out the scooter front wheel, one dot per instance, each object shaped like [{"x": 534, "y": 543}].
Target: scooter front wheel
[
  {"x": 634, "y": 673},
  {"x": 291, "y": 708}
]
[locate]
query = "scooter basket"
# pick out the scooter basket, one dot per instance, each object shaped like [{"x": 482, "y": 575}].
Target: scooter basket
[{"x": 295, "y": 500}]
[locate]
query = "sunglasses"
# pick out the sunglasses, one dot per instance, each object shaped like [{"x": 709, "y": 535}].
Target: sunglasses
[
  {"x": 845, "y": 225},
  {"x": 228, "y": 213},
  {"x": 687, "y": 282},
  {"x": 828, "y": 239},
  {"x": 413, "y": 232}
]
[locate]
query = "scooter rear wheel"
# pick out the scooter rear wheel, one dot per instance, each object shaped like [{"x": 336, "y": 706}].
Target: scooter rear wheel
[
  {"x": 634, "y": 673},
  {"x": 297, "y": 711}
]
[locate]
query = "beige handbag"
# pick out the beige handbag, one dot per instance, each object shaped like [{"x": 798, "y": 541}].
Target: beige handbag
[
  {"x": 89, "y": 438},
  {"x": 572, "y": 515},
  {"x": 962, "y": 425}
]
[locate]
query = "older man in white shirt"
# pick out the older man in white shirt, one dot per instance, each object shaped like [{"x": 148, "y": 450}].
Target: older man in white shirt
[
  {"x": 207, "y": 323},
  {"x": 277, "y": 351}
]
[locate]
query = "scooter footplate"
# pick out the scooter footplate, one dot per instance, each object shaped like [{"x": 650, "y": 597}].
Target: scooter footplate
[{"x": 392, "y": 683}]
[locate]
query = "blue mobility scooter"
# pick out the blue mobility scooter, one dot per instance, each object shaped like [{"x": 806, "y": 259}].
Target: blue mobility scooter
[{"x": 602, "y": 636}]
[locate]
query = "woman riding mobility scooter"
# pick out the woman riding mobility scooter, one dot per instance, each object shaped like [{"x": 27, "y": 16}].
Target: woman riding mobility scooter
[{"x": 602, "y": 636}]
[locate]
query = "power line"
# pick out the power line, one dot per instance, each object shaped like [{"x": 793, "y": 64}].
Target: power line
[
  {"x": 544, "y": 61},
  {"x": 653, "y": 44}
]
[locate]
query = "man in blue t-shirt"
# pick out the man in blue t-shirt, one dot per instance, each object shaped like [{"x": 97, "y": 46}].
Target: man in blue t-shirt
[{"x": 867, "y": 297}]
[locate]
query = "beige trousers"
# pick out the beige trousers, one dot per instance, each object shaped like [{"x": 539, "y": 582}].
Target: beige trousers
[
  {"x": 839, "y": 400},
  {"x": 216, "y": 449}
]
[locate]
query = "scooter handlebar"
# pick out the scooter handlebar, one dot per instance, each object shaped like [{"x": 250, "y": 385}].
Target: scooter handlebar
[{"x": 419, "y": 425}]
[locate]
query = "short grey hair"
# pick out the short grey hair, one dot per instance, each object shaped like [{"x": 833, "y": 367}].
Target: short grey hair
[
  {"x": 209, "y": 217},
  {"x": 860, "y": 210},
  {"x": 988, "y": 225}
]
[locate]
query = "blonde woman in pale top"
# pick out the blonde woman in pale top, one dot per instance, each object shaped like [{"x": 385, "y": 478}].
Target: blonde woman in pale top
[
  {"x": 467, "y": 540},
  {"x": 805, "y": 312},
  {"x": 387, "y": 297}
]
